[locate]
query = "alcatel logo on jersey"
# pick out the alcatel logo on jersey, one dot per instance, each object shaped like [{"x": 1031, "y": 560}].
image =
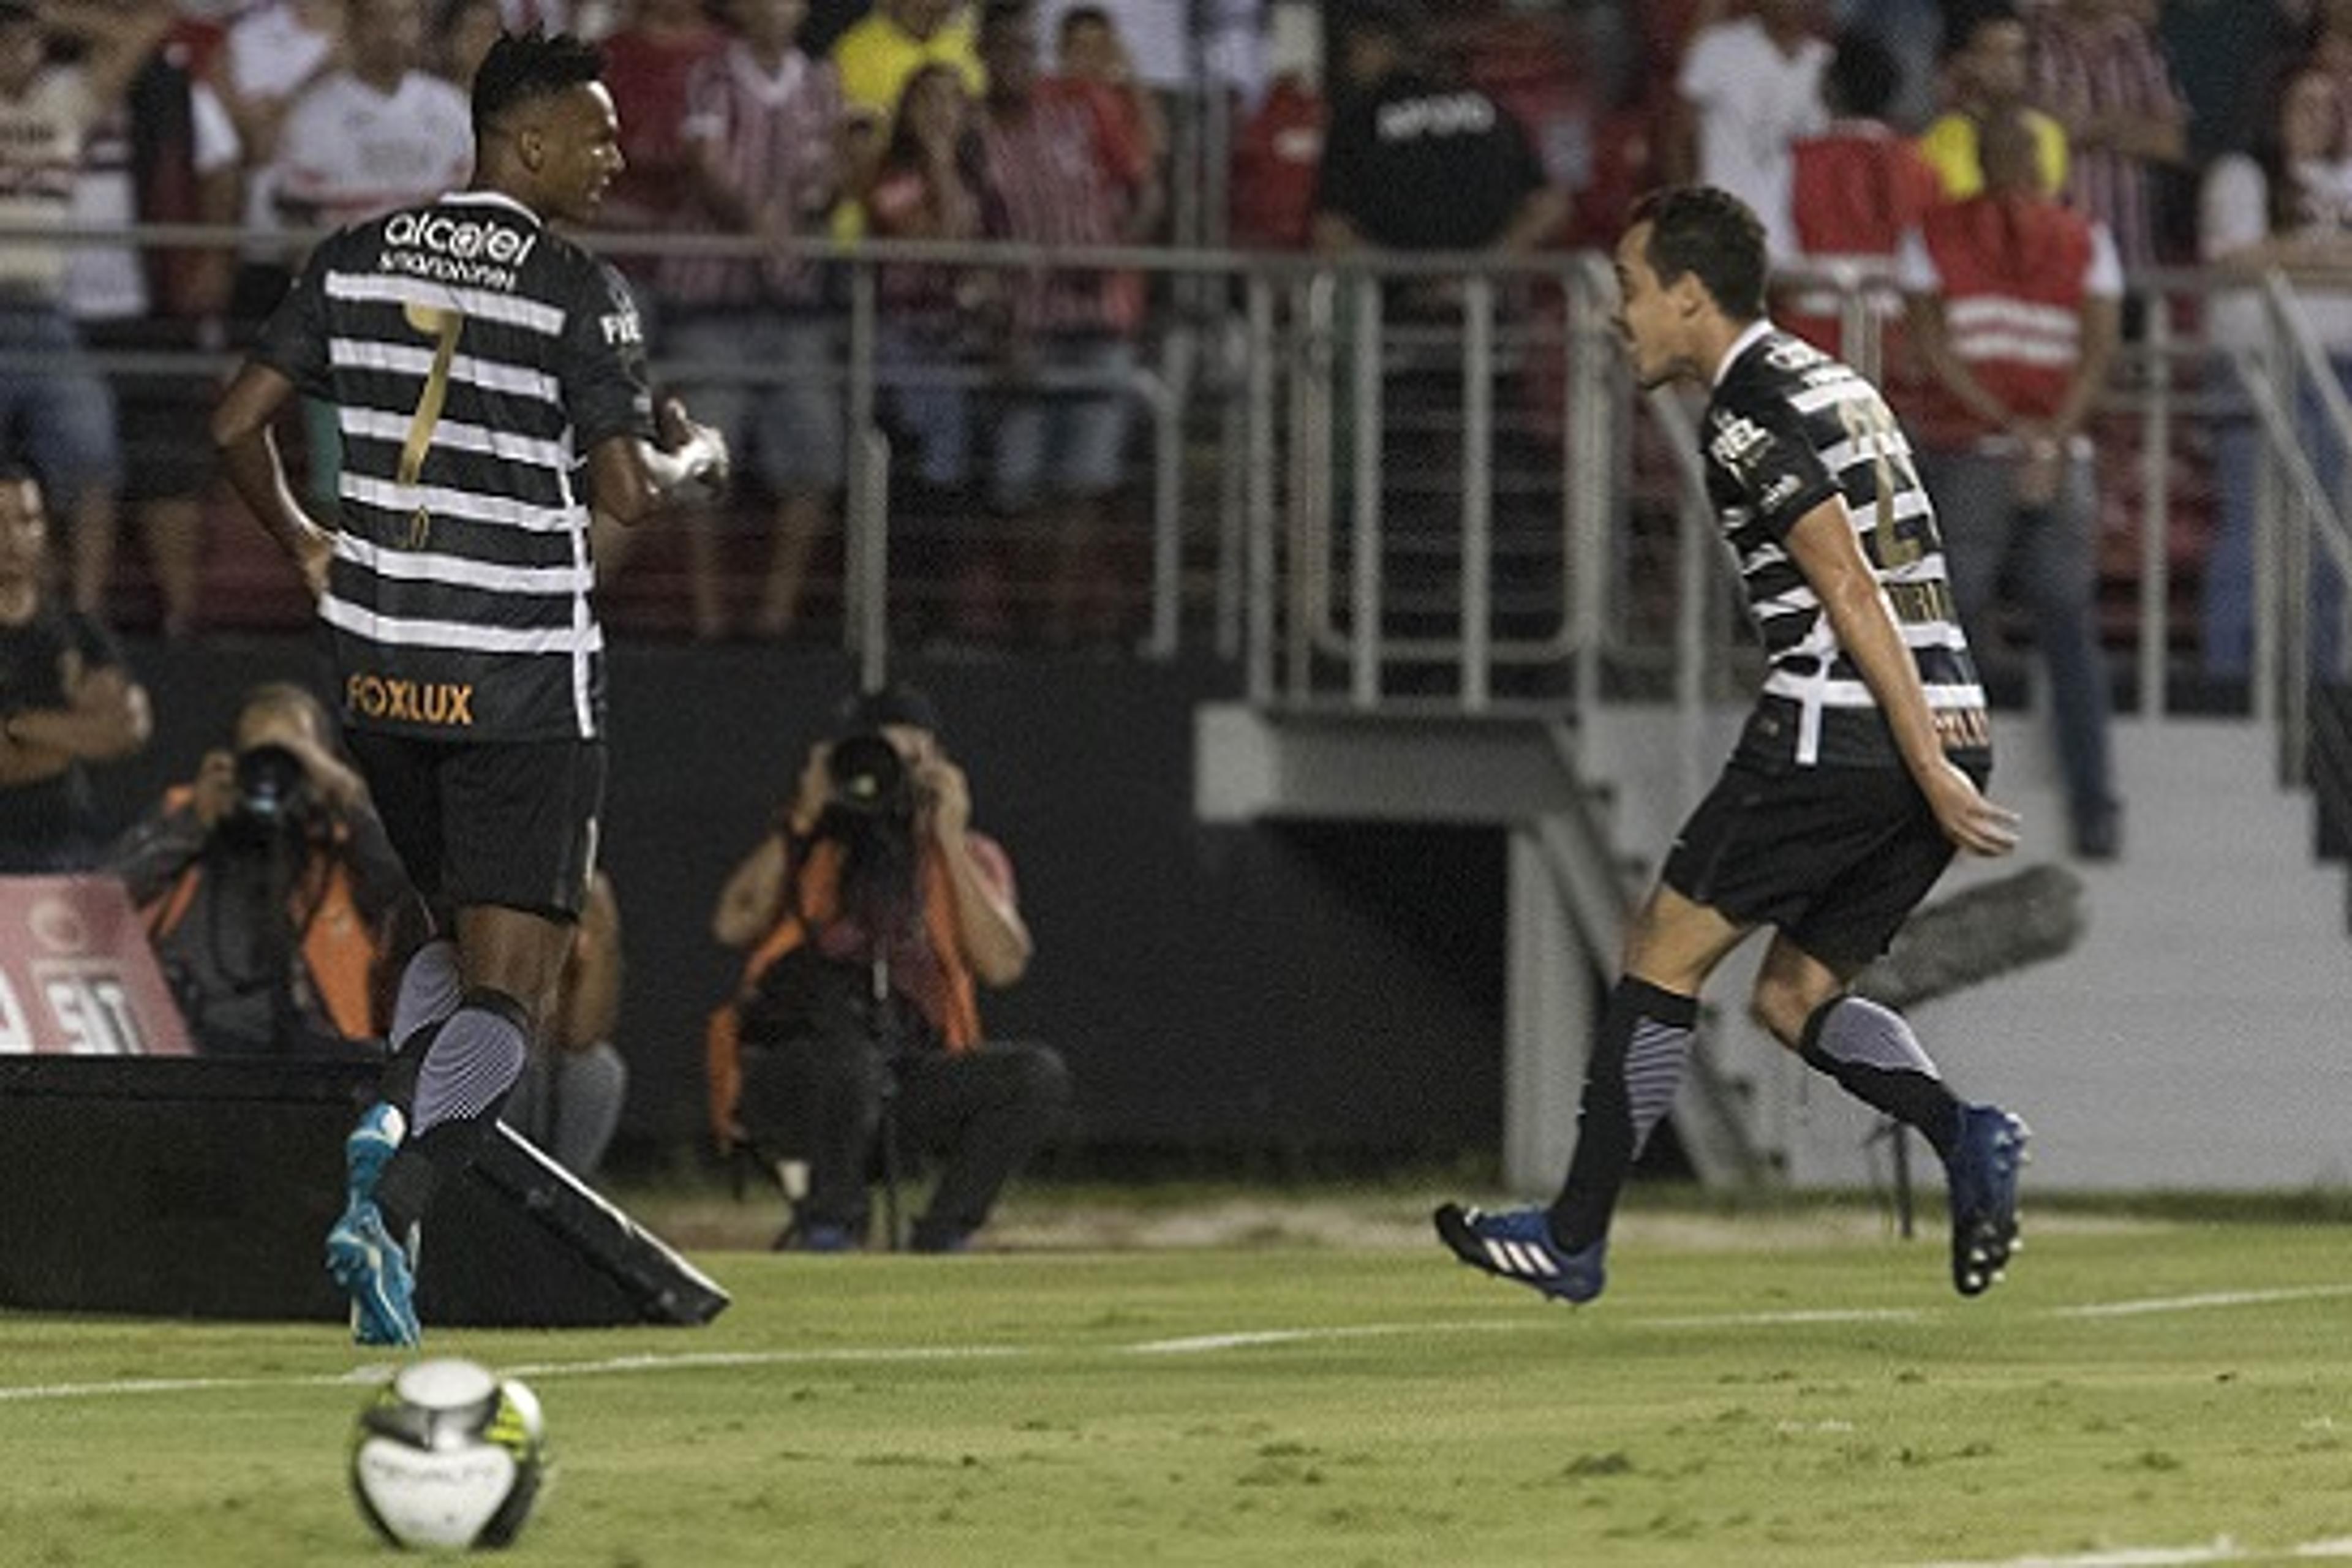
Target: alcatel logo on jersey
[
  {"x": 462, "y": 241},
  {"x": 449, "y": 704}
]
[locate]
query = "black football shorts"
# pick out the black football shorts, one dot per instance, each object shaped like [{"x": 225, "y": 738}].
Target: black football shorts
[
  {"x": 1835, "y": 858},
  {"x": 512, "y": 824}
]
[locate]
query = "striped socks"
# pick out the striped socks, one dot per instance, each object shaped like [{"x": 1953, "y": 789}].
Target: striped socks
[{"x": 1637, "y": 1062}]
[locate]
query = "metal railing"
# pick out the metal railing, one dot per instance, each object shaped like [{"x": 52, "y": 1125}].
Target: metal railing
[{"x": 1417, "y": 481}]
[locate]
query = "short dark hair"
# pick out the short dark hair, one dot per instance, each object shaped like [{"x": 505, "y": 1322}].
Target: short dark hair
[
  {"x": 521, "y": 67},
  {"x": 1863, "y": 77},
  {"x": 1398, "y": 21},
  {"x": 19, "y": 13},
  {"x": 1964, "y": 18},
  {"x": 1711, "y": 234},
  {"x": 900, "y": 702},
  {"x": 1078, "y": 16},
  {"x": 1003, "y": 13}
]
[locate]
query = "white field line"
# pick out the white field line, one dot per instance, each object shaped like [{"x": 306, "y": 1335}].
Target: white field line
[
  {"x": 1795, "y": 1318},
  {"x": 2223, "y": 1549},
  {"x": 1198, "y": 1344},
  {"x": 2196, "y": 1303}
]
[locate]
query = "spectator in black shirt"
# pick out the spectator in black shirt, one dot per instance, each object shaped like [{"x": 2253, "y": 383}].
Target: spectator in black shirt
[
  {"x": 66, "y": 699},
  {"x": 1410, "y": 165}
]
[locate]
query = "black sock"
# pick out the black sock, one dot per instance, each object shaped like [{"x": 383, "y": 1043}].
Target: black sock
[
  {"x": 404, "y": 1193},
  {"x": 1637, "y": 1060},
  {"x": 1876, "y": 1057}
]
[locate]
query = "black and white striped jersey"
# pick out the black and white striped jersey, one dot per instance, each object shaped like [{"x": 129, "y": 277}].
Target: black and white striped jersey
[
  {"x": 1788, "y": 428},
  {"x": 472, "y": 359}
]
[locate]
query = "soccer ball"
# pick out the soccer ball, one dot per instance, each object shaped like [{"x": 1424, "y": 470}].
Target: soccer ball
[{"x": 447, "y": 1454}]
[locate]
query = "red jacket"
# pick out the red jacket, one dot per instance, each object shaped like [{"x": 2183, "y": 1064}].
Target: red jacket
[{"x": 2013, "y": 274}]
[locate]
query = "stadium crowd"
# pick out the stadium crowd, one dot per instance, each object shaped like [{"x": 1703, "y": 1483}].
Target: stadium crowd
[{"x": 1010, "y": 395}]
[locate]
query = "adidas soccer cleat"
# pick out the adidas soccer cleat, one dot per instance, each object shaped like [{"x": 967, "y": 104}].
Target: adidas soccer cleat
[
  {"x": 1517, "y": 1245},
  {"x": 1981, "y": 1178},
  {"x": 373, "y": 1272}
]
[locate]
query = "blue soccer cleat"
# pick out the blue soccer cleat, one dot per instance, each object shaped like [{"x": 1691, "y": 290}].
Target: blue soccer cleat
[
  {"x": 1981, "y": 1179},
  {"x": 370, "y": 1148},
  {"x": 1517, "y": 1245},
  {"x": 374, "y": 1271}
]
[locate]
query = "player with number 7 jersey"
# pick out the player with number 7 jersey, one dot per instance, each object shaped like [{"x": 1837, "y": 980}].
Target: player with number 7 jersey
[{"x": 488, "y": 377}]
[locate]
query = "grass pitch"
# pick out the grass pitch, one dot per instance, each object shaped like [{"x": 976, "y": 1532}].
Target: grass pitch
[{"x": 1790, "y": 1389}]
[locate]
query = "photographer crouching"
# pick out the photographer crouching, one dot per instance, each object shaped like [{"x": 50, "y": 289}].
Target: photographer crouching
[
  {"x": 873, "y": 913},
  {"x": 267, "y": 886}
]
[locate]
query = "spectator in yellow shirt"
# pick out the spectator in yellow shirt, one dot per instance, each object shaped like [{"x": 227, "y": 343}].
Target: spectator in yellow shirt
[
  {"x": 897, "y": 38},
  {"x": 1986, "y": 58}
]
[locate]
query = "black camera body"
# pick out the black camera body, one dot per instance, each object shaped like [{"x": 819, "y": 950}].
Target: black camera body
[
  {"x": 866, "y": 777},
  {"x": 274, "y": 797}
]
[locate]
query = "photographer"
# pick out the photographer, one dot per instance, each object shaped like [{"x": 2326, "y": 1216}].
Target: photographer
[
  {"x": 267, "y": 885},
  {"x": 873, "y": 914}
]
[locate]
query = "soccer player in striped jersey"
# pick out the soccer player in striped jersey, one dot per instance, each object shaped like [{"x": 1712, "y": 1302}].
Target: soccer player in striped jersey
[
  {"x": 489, "y": 378},
  {"x": 1857, "y": 775}
]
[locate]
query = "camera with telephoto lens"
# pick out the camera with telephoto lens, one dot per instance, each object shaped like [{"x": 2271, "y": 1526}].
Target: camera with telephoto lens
[
  {"x": 273, "y": 793},
  {"x": 865, "y": 776}
]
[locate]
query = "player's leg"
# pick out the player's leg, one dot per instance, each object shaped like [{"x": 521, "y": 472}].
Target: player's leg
[
  {"x": 1870, "y": 1049},
  {"x": 1638, "y": 1054},
  {"x": 1631, "y": 1071},
  {"x": 519, "y": 830},
  {"x": 367, "y": 1257}
]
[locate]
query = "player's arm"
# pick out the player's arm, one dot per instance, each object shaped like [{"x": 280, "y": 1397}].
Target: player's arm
[
  {"x": 1826, "y": 548},
  {"x": 241, "y": 431},
  {"x": 632, "y": 479},
  {"x": 644, "y": 455}
]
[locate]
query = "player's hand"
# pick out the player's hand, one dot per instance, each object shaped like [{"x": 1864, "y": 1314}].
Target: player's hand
[
  {"x": 700, "y": 447},
  {"x": 1969, "y": 820}
]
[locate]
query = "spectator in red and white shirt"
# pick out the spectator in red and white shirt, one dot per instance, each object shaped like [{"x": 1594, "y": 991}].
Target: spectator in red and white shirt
[
  {"x": 1855, "y": 188},
  {"x": 646, "y": 64},
  {"x": 2100, "y": 71},
  {"x": 1278, "y": 150},
  {"x": 1088, "y": 49},
  {"x": 928, "y": 188},
  {"x": 763, "y": 134},
  {"x": 2015, "y": 301},
  {"x": 1059, "y": 173}
]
